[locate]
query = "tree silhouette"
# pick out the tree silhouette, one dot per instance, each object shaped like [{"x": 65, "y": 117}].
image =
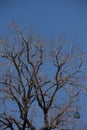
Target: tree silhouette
[{"x": 38, "y": 77}]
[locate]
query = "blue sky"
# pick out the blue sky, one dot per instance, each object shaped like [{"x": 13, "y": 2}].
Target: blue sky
[{"x": 49, "y": 17}]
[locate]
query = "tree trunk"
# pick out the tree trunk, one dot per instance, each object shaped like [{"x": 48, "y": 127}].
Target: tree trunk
[{"x": 46, "y": 123}]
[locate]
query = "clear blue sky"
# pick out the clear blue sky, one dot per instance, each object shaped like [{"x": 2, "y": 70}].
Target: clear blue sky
[{"x": 49, "y": 17}]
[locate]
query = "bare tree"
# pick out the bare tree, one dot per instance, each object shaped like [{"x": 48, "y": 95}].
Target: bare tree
[{"x": 36, "y": 74}]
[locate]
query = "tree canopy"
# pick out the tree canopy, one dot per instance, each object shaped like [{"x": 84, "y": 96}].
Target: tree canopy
[{"x": 40, "y": 82}]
